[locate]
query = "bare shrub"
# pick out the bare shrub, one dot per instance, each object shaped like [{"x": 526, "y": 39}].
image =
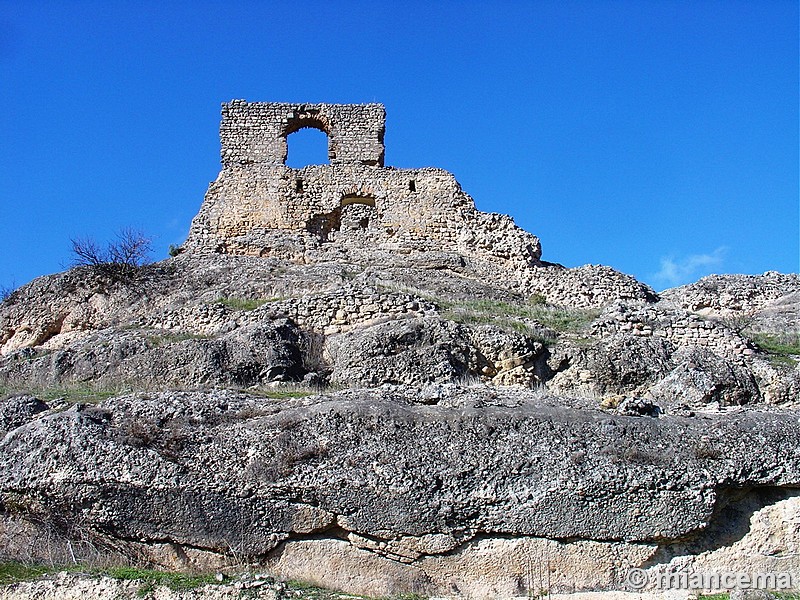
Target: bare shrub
[
  {"x": 139, "y": 433},
  {"x": 118, "y": 259},
  {"x": 738, "y": 322},
  {"x": 312, "y": 349},
  {"x": 7, "y": 290}
]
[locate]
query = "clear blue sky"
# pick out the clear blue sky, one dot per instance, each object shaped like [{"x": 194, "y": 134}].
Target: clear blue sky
[{"x": 658, "y": 137}]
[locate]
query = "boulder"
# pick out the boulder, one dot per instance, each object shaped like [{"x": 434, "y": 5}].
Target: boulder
[
  {"x": 18, "y": 410},
  {"x": 702, "y": 378}
]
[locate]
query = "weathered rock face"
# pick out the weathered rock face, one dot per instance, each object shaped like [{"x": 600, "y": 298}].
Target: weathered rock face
[
  {"x": 701, "y": 378},
  {"x": 619, "y": 364},
  {"x": 248, "y": 355},
  {"x": 18, "y": 410},
  {"x": 384, "y": 474},
  {"x": 423, "y": 351}
]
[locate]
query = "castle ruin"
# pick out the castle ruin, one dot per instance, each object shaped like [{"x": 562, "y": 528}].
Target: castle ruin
[
  {"x": 357, "y": 210},
  {"x": 260, "y": 206}
]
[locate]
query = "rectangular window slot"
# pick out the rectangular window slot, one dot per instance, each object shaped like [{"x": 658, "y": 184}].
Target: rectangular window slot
[
  {"x": 412, "y": 186},
  {"x": 298, "y": 186}
]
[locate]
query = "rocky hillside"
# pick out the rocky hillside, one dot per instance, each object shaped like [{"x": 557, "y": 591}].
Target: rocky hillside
[
  {"x": 437, "y": 421},
  {"x": 392, "y": 429},
  {"x": 242, "y": 321}
]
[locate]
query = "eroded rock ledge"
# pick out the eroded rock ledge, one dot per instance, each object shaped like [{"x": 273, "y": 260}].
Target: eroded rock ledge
[{"x": 457, "y": 492}]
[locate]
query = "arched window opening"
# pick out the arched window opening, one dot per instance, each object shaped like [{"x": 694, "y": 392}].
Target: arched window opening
[
  {"x": 356, "y": 199},
  {"x": 307, "y": 146},
  {"x": 356, "y": 212}
]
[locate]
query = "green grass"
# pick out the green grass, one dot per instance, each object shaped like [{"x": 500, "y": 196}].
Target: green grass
[
  {"x": 780, "y": 345},
  {"x": 245, "y": 303},
  {"x": 85, "y": 393},
  {"x": 309, "y": 591},
  {"x": 304, "y": 586},
  {"x": 514, "y": 316},
  {"x": 13, "y": 572},
  {"x": 508, "y": 324},
  {"x": 537, "y": 300},
  {"x": 780, "y": 348},
  {"x": 151, "y": 578}
]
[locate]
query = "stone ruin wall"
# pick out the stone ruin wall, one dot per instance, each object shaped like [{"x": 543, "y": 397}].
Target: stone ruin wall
[
  {"x": 354, "y": 201},
  {"x": 316, "y": 200},
  {"x": 679, "y": 327},
  {"x": 725, "y": 294},
  {"x": 259, "y": 206},
  {"x": 255, "y": 132},
  {"x": 588, "y": 286},
  {"x": 326, "y": 313}
]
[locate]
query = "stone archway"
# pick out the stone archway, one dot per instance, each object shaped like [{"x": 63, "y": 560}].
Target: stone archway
[
  {"x": 310, "y": 119},
  {"x": 357, "y": 212},
  {"x": 307, "y": 146}
]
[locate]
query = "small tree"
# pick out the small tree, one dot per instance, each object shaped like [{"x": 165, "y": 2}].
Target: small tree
[{"x": 120, "y": 258}]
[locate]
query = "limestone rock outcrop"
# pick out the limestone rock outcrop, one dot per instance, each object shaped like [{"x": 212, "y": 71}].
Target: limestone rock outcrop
[
  {"x": 349, "y": 375},
  {"x": 387, "y": 475}
]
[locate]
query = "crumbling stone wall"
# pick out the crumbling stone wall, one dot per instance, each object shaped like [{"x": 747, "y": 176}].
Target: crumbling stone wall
[
  {"x": 327, "y": 313},
  {"x": 246, "y": 209},
  {"x": 679, "y": 327},
  {"x": 259, "y": 206},
  {"x": 255, "y": 132},
  {"x": 724, "y": 294},
  {"x": 357, "y": 210},
  {"x": 585, "y": 287}
]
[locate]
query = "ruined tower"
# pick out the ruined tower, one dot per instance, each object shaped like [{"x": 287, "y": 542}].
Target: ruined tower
[
  {"x": 257, "y": 132},
  {"x": 354, "y": 205}
]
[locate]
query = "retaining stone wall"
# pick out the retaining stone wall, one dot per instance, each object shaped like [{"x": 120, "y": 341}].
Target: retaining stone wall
[
  {"x": 326, "y": 313},
  {"x": 681, "y": 328}
]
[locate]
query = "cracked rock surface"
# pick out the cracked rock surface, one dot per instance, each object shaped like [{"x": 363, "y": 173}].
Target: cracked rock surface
[
  {"x": 385, "y": 472},
  {"x": 383, "y": 429}
]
